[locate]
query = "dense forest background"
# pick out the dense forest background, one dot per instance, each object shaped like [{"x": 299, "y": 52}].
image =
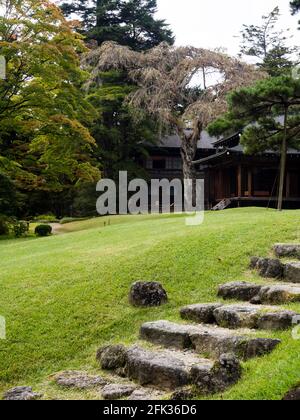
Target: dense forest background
[{"x": 58, "y": 138}]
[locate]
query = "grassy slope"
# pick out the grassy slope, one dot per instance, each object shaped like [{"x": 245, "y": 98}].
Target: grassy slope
[{"x": 66, "y": 295}]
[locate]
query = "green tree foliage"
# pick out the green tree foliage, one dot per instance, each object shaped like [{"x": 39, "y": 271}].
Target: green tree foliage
[
  {"x": 131, "y": 23},
  {"x": 127, "y": 22},
  {"x": 10, "y": 199},
  {"x": 120, "y": 137},
  {"x": 268, "y": 45},
  {"x": 295, "y": 7},
  {"x": 44, "y": 142},
  {"x": 270, "y": 111}
]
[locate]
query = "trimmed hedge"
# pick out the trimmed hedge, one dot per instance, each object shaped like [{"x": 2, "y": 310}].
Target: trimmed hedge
[{"x": 43, "y": 230}]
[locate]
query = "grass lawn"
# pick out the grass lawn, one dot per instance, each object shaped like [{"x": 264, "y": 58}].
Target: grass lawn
[{"x": 66, "y": 295}]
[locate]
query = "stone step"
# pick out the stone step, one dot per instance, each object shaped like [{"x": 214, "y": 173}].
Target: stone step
[
  {"x": 202, "y": 313},
  {"x": 242, "y": 316},
  {"x": 274, "y": 268},
  {"x": 170, "y": 369},
  {"x": 287, "y": 250},
  {"x": 258, "y": 294},
  {"x": 279, "y": 294},
  {"x": 239, "y": 290},
  {"x": 254, "y": 317},
  {"x": 268, "y": 267},
  {"x": 207, "y": 340},
  {"x": 291, "y": 272}
]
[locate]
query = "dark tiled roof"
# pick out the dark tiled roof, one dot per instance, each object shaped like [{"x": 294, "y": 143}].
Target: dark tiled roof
[
  {"x": 174, "y": 142},
  {"x": 211, "y": 143}
]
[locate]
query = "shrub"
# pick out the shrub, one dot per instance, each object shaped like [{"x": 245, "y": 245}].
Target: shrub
[
  {"x": 47, "y": 218},
  {"x": 20, "y": 228},
  {"x": 4, "y": 225},
  {"x": 43, "y": 230}
]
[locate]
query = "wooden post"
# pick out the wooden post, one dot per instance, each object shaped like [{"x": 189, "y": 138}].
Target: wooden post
[
  {"x": 288, "y": 185},
  {"x": 220, "y": 186},
  {"x": 240, "y": 181},
  {"x": 250, "y": 182}
]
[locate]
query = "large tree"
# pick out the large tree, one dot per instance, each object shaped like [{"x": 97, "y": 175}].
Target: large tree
[
  {"x": 44, "y": 142},
  {"x": 268, "y": 45},
  {"x": 130, "y": 23},
  {"x": 127, "y": 22},
  {"x": 122, "y": 140},
  {"x": 295, "y": 7},
  {"x": 270, "y": 111},
  {"x": 173, "y": 86}
]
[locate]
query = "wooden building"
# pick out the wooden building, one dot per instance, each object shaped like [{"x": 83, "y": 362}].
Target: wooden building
[{"x": 230, "y": 175}]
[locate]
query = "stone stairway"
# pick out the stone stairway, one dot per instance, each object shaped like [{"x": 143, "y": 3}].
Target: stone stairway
[
  {"x": 206, "y": 352},
  {"x": 202, "y": 354},
  {"x": 287, "y": 272}
]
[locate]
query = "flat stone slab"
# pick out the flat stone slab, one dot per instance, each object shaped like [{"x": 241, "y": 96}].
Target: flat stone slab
[
  {"x": 279, "y": 294},
  {"x": 79, "y": 380},
  {"x": 168, "y": 334},
  {"x": 21, "y": 393},
  {"x": 146, "y": 395},
  {"x": 291, "y": 272},
  {"x": 274, "y": 268},
  {"x": 274, "y": 294},
  {"x": 169, "y": 370},
  {"x": 163, "y": 369},
  {"x": 268, "y": 267},
  {"x": 254, "y": 317},
  {"x": 212, "y": 341},
  {"x": 287, "y": 250},
  {"x": 201, "y": 313},
  {"x": 117, "y": 391},
  {"x": 239, "y": 290}
]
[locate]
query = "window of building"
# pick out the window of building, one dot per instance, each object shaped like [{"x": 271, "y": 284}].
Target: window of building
[
  {"x": 159, "y": 164},
  {"x": 149, "y": 163},
  {"x": 174, "y": 163}
]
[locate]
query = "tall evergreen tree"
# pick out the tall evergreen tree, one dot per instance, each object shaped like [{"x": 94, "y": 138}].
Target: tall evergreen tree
[
  {"x": 295, "y": 6},
  {"x": 268, "y": 45},
  {"x": 127, "y": 22},
  {"x": 132, "y": 23}
]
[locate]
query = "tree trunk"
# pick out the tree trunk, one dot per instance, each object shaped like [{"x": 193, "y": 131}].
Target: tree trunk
[
  {"x": 283, "y": 163},
  {"x": 189, "y": 143},
  {"x": 98, "y": 16}
]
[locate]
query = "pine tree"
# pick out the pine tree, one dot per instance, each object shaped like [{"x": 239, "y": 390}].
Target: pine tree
[
  {"x": 295, "y": 7},
  {"x": 268, "y": 45},
  {"x": 131, "y": 23},
  {"x": 270, "y": 111}
]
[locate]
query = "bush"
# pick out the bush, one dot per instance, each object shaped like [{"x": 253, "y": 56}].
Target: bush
[
  {"x": 48, "y": 218},
  {"x": 43, "y": 230},
  {"x": 20, "y": 228},
  {"x": 4, "y": 226}
]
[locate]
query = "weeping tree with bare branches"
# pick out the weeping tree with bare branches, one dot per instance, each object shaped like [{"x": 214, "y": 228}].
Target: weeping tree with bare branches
[{"x": 183, "y": 88}]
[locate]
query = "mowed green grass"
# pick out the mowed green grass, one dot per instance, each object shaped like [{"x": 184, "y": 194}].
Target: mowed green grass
[{"x": 66, "y": 295}]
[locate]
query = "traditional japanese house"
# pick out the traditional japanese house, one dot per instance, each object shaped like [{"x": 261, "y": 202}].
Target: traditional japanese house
[{"x": 231, "y": 177}]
